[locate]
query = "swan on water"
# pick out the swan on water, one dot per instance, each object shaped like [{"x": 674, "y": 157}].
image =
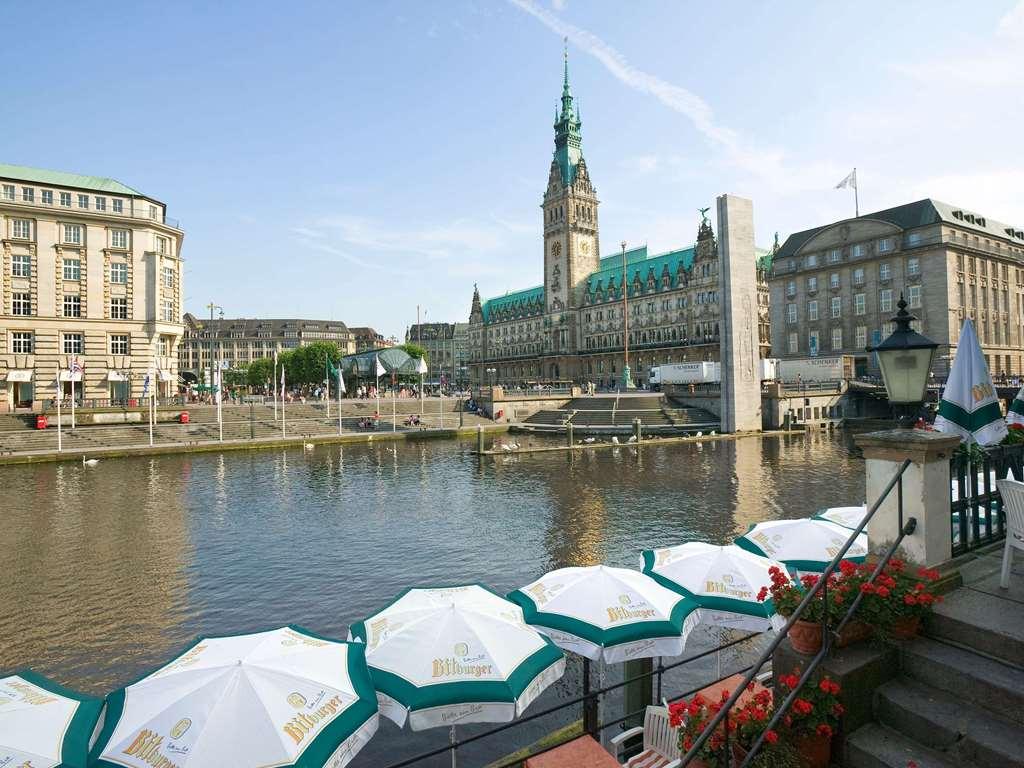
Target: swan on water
[
  {"x": 89, "y": 462},
  {"x": 308, "y": 446},
  {"x": 615, "y": 439},
  {"x": 632, "y": 439}
]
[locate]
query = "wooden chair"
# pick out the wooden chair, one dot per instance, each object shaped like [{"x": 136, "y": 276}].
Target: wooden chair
[
  {"x": 1013, "y": 505},
  {"x": 661, "y": 742}
]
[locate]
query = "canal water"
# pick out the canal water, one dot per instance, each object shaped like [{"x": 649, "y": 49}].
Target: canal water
[{"x": 110, "y": 570}]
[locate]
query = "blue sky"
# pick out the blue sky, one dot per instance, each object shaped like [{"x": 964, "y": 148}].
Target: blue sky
[{"x": 353, "y": 160}]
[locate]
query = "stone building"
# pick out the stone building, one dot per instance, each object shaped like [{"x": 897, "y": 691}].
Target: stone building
[
  {"x": 446, "y": 348},
  {"x": 91, "y": 288},
  {"x": 834, "y": 288},
  {"x": 571, "y": 327},
  {"x": 367, "y": 338},
  {"x": 234, "y": 343}
]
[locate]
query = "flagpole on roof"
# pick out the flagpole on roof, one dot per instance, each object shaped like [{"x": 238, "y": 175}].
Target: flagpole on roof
[{"x": 856, "y": 200}]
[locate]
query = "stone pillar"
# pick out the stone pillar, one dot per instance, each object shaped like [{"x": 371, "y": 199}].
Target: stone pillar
[
  {"x": 926, "y": 490},
  {"x": 739, "y": 343}
]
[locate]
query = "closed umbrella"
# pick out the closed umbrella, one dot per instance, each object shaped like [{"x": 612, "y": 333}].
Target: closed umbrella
[
  {"x": 724, "y": 581},
  {"x": 44, "y": 725},
  {"x": 969, "y": 406},
  {"x": 286, "y": 697},
  {"x": 614, "y": 614},
  {"x": 802, "y": 544},
  {"x": 448, "y": 655}
]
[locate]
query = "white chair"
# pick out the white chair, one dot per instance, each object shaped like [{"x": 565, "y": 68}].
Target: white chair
[
  {"x": 1013, "y": 506},
  {"x": 661, "y": 742}
]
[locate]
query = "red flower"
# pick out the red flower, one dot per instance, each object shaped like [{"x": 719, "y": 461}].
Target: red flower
[
  {"x": 771, "y": 736},
  {"x": 867, "y": 588},
  {"x": 824, "y": 730},
  {"x": 762, "y": 594},
  {"x": 909, "y": 600},
  {"x": 802, "y": 706},
  {"x": 847, "y": 566},
  {"x": 825, "y": 685},
  {"x": 882, "y": 591},
  {"x": 837, "y": 710}
]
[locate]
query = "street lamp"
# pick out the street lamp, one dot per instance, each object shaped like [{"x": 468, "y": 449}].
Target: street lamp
[
  {"x": 491, "y": 372},
  {"x": 213, "y": 334},
  {"x": 905, "y": 359}
]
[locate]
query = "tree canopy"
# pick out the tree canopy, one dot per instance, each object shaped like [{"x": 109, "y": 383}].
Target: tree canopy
[{"x": 413, "y": 350}]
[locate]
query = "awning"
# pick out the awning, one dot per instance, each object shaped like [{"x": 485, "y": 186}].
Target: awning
[
  {"x": 69, "y": 376},
  {"x": 164, "y": 376},
  {"x": 116, "y": 376},
  {"x": 22, "y": 375}
]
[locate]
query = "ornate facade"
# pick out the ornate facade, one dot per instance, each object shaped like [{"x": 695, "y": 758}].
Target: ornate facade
[{"x": 571, "y": 328}]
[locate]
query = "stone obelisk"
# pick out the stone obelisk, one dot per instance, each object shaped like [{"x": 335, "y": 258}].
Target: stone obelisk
[{"x": 740, "y": 348}]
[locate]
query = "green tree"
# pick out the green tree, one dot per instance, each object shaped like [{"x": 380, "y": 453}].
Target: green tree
[
  {"x": 308, "y": 364},
  {"x": 260, "y": 373},
  {"x": 236, "y": 377},
  {"x": 413, "y": 350}
]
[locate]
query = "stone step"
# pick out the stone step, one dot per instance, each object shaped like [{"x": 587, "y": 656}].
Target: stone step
[
  {"x": 963, "y": 732},
  {"x": 967, "y": 617},
  {"x": 988, "y": 683},
  {"x": 875, "y": 746}
]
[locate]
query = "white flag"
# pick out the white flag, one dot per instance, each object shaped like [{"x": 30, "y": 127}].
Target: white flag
[
  {"x": 282, "y": 381},
  {"x": 380, "y": 368},
  {"x": 849, "y": 181},
  {"x": 341, "y": 382},
  {"x": 421, "y": 366}
]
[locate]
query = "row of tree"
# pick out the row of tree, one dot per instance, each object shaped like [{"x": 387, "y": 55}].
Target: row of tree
[{"x": 305, "y": 365}]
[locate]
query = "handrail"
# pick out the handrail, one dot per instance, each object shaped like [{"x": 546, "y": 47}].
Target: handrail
[{"x": 822, "y": 583}]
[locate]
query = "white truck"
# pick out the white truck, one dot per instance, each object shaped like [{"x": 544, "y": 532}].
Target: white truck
[
  {"x": 702, "y": 373},
  {"x": 816, "y": 369}
]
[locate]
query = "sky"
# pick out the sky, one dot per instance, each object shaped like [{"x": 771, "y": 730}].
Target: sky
[{"x": 355, "y": 160}]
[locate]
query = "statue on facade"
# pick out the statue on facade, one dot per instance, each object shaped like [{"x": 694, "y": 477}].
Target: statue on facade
[{"x": 704, "y": 216}]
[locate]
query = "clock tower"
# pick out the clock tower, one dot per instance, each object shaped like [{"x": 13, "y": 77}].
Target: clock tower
[{"x": 570, "y": 205}]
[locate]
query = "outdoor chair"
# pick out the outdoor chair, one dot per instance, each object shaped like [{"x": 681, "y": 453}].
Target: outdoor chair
[
  {"x": 661, "y": 742},
  {"x": 1013, "y": 505}
]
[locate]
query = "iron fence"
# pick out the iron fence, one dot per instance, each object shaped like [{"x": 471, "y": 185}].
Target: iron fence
[{"x": 976, "y": 507}]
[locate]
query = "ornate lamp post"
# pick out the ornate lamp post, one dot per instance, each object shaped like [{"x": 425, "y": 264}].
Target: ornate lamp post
[
  {"x": 627, "y": 379},
  {"x": 905, "y": 359}
]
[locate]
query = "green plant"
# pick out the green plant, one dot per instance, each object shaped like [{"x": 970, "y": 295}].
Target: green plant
[{"x": 816, "y": 710}]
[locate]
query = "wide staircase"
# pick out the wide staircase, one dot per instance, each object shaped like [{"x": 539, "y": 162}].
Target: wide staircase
[
  {"x": 605, "y": 412},
  {"x": 959, "y": 698}
]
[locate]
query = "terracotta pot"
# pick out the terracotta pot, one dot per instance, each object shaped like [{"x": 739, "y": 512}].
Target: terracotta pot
[
  {"x": 815, "y": 751},
  {"x": 855, "y": 631},
  {"x": 805, "y": 637},
  {"x": 906, "y": 627}
]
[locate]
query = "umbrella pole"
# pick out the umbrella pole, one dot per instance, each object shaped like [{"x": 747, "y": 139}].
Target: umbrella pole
[{"x": 451, "y": 740}]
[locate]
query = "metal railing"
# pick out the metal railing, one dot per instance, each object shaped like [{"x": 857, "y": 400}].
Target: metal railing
[
  {"x": 976, "y": 506},
  {"x": 821, "y": 586},
  {"x": 74, "y": 210},
  {"x": 588, "y": 703},
  {"x": 49, "y": 405}
]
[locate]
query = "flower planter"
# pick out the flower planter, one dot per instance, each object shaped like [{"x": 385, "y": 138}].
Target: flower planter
[
  {"x": 855, "y": 631},
  {"x": 906, "y": 627},
  {"x": 805, "y": 637},
  {"x": 815, "y": 751}
]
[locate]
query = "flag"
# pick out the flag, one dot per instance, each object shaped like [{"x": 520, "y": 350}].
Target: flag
[
  {"x": 849, "y": 181},
  {"x": 145, "y": 386},
  {"x": 421, "y": 366},
  {"x": 282, "y": 381},
  {"x": 1015, "y": 414},
  {"x": 332, "y": 371},
  {"x": 341, "y": 381},
  {"x": 969, "y": 406},
  {"x": 380, "y": 368}
]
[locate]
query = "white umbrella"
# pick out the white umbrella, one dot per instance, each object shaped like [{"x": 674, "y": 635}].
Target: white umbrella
[
  {"x": 848, "y": 517},
  {"x": 449, "y": 655},
  {"x": 725, "y": 581},
  {"x": 969, "y": 406},
  {"x": 614, "y": 614},
  {"x": 802, "y": 544},
  {"x": 280, "y": 698},
  {"x": 44, "y": 725},
  {"x": 1015, "y": 413}
]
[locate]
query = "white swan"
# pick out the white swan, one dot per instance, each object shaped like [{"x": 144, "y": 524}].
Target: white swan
[
  {"x": 308, "y": 446},
  {"x": 699, "y": 434},
  {"x": 589, "y": 440},
  {"x": 89, "y": 462},
  {"x": 506, "y": 448},
  {"x": 632, "y": 439},
  {"x": 615, "y": 439}
]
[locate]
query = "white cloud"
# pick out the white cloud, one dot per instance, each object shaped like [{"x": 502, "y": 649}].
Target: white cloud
[
  {"x": 992, "y": 193},
  {"x": 1012, "y": 23}
]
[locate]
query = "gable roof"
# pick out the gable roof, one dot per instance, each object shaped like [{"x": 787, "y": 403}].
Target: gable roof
[
  {"x": 64, "y": 179},
  {"x": 529, "y": 295}
]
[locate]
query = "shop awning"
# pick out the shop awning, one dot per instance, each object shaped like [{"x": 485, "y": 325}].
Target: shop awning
[
  {"x": 116, "y": 376},
  {"x": 69, "y": 376},
  {"x": 21, "y": 375},
  {"x": 165, "y": 376}
]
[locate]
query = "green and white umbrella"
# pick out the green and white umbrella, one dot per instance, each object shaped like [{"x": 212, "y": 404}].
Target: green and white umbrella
[
  {"x": 848, "y": 517},
  {"x": 969, "y": 406},
  {"x": 280, "y": 698},
  {"x": 614, "y": 614},
  {"x": 802, "y": 544},
  {"x": 724, "y": 581},
  {"x": 450, "y": 655},
  {"x": 1015, "y": 413},
  {"x": 44, "y": 725}
]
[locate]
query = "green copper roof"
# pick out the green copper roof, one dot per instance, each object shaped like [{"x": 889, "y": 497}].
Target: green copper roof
[
  {"x": 63, "y": 179},
  {"x": 525, "y": 297},
  {"x": 639, "y": 265},
  {"x": 568, "y": 140}
]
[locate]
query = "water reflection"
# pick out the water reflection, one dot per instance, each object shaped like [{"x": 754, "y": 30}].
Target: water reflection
[{"x": 110, "y": 570}]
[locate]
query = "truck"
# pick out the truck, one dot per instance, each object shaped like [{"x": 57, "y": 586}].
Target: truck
[
  {"x": 702, "y": 373},
  {"x": 816, "y": 369}
]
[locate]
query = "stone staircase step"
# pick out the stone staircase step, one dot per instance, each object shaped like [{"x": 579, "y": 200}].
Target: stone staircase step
[
  {"x": 875, "y": 746},
  {"x": 967, "y": 617},
  {"x": 988, "y": 683},
  {"x": 967, "y": 734}
]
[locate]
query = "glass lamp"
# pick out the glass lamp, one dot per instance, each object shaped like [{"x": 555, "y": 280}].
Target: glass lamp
[{"x": 906, "y": 360}]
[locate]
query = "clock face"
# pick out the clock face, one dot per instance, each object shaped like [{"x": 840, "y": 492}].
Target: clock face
[
  {"x": 585, "y": 247},
  {"x": 556, "y": 249}
]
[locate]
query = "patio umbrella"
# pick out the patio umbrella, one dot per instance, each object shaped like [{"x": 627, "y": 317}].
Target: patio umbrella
[
  {"x": 280, "y": 698},
  {"x": 44, "y": 725},
  {"x": 969, "y": 406},
  {"x": 848, "y": 517},
  {"x": 449, "y": 655},
  {"x": 723, "y": 580},
  {"x": 802, "y": 544},
  {"x": 614, "y": 614}
]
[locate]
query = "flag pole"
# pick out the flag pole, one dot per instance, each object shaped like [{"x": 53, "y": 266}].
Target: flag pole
[
  {"x": 274, "y": 378},
  {"x": 283, "y": 433},
  {"x": 394, "y": 411},
  {"x": 60, "y": 396},
  {"x": 71, "y": 375},
  {"x": 856, "y": 199},
  {"x": 327, "y": 379},
  {"x": 341, "y": 386},
  {"x": 220, "y": 415}
]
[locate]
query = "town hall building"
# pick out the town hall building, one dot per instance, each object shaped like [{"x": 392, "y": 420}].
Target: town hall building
[{"x": 571, "y": 328}]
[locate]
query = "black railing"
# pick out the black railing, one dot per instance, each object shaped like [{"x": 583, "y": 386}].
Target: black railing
[
  {"x": 821, "y": 586},
  {"x": 976, "y": 507},
  {"x": 588, "y": 704}
]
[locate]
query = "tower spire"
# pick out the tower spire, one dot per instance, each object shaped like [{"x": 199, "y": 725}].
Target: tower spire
[
  {"x": 565, "y": 57},
  {"x": 568, "y": 142}
]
